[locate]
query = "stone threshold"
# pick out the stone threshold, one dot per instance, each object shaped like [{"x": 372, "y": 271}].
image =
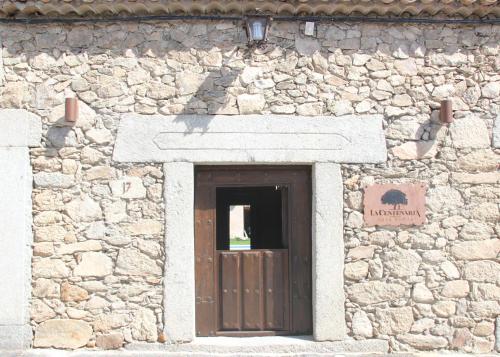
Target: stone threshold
[
  {"x": 289, "y": 345},
  {"x": 300, "y": 346}
]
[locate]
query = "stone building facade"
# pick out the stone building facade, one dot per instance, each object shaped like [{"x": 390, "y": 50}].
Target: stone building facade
[{"x": 98, "y": 224}]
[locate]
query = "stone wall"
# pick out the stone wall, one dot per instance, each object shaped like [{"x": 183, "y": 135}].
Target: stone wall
[{"x": 98, "y": 225}]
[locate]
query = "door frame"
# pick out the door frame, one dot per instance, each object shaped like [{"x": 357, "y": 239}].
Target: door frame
[
  {"x": 328, "y": 310},
  {"x": 298, "y": 299},
  {"x": 321, "y": 141}
]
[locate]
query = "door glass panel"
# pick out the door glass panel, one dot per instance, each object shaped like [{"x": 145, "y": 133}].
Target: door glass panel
[{"x": 240, "y": 235}]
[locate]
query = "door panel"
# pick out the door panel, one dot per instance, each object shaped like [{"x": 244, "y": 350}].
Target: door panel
[
  {"x": 254, "y": 291},
  {"x": 230, "y": 270},
  {"x": 275, "y": 289}
]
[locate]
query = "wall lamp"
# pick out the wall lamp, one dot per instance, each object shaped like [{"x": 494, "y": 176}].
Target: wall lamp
[{"x": 257, "y": 28}]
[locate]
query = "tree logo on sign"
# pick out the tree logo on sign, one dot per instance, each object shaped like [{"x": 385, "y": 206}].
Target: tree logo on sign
[{"x": 394, "y": 198}]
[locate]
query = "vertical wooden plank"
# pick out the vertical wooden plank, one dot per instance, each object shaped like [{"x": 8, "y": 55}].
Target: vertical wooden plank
[
  {"x": 252, "y": 290},
  {"x": 230, "y": 306},
  {"x": 301, "y": 267},
  {"x": 205, "y": 293},
  {"x": 274, "y": 289}
]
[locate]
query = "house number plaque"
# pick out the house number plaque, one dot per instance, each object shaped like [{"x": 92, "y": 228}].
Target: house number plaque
[{"x": 394, "y": 204}]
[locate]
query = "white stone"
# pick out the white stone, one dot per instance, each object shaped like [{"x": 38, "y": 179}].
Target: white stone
[
  {"x": 310, "y": 109},
  {"x": 62, "y": 333},
  {"x": 19, "y": 128},
  {"x": 53, "y": 180},
  {"x": 482, "y": 271},
  {"x": 144, "y": 326},
  {"x": 46, "y": 288},
  {"x": 476, "y": 230},
  {"x": 188, "y": 82},
  {"x": 424, "y": 342},
  {"x": 84, "y": 210},
  {"x": 99, "y": 136},
  {"x": 496, "y": 135},
  {"x": 443, "y": 197},
  {"x": 361, "y": 252},
  {"x": 476, "y": 250},
  {"x": 406, "y": 67},
  {"x": 160, "y": 91},
  {"x": 422, "y": 325},
  {"x": 469, "y": 132},
  {"x": 455, "y": 289},
  {"x": 479, "y": 160},
  {"x": 41, "y": 312},
  {"x": 342, "y": 107},
  {"x": 374, "y": 292},
  {"x": 415, "y": 150},
  {"x": 402, "y": 263},
  {"x": 91, "y": 156},
  {"x": 491, "y": 90},
  {"x": 484, "y": 309},
  {"x": 115, "y": 212},
  {"x": 401, "y": 100},
  {"x": 450, "y": 270},
  {"x": 128, "y": 187},
  {"x": 444, "y": 91},
  {"x": 50, "y": 268},
  {"x": 264, "y": 83},
  {"x": 256, "y": 139},
  {"x": 422, "y": 294},
  {"x": 328, "y": 258},
  {"x": 356, "y": 271},
  {"x": 394, "y": 321},
  {"x": 131, "y": 262},
  {"x": 283, "y": 109},
  {"x": 485, "y": 292},
  {"x": 100, "y": 173},
  {"x": 149, "y": 247},
  {"x": 361, "y": 324},
  {"x": 249, "y": 74},
  {"x": 444, "y": 308},
  {"x": 94, "y": 264},
  {"x": 145, "y": 227},
  {"x": 250, "y": 103},
  {"x": 486, "y": 211},
  {"x": 475, "y": 179},
  {"x": 85, "y": 246}
]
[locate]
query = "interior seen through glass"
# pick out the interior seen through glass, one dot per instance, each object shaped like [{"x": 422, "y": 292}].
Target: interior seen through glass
[{"x": 250, "y": 218}]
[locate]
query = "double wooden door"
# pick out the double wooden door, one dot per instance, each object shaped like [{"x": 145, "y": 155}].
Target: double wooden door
[{"x": 265, "y": 290}]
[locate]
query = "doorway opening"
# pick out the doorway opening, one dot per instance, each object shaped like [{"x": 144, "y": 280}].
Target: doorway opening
[
  {"x": 250, "y": 218},
  {"x": 253, "y": 251}
]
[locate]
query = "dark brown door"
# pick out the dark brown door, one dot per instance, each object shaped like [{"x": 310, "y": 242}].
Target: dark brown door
[{"x": 264, "y": 289}]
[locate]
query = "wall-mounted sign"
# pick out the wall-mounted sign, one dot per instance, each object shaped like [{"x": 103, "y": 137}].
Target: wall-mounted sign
[{"x": 394, "y": 204}]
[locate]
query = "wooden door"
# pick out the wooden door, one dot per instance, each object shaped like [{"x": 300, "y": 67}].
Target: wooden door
[{"x": 257, "y": 291}]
